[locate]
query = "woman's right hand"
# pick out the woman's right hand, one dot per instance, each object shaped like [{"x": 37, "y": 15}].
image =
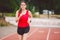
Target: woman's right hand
[{"x": 17, "y": 19}]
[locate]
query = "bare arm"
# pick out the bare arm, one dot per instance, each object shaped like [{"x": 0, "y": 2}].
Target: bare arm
[
  {"x": 17, "y": 18},
  {"x": 30, "y": 16},
  {"x": 17, "y": 15}
]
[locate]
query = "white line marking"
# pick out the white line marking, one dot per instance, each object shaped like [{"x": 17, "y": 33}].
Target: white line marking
[
  {"x": 7, "y": 36},
  {"x": 48, "y": 34},
  {"x": 32, "y": 33}
]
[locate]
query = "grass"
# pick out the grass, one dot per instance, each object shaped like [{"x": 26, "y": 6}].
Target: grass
[
  {"x": 35, "y": 16},
  {"x": 10, "y": 14},
  {"x": 0, "y": 15},
  {"x": 13, "y": 15},
  {"x": 56, "y": 16},
  {"x": 50, "y": 16}
]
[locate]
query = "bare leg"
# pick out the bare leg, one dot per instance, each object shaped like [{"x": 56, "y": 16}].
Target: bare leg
[
  {"x": 25, "y": 36},
  {"x": 20, "y": 37}
]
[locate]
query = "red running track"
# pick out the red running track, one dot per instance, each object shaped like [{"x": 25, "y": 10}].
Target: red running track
[{"x": 37, "y": 34}]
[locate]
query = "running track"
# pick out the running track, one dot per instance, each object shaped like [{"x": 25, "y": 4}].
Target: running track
[{"x": 37, "y": 33}]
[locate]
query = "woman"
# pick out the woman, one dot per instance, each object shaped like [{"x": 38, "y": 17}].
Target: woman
[{"x": 22, "y": 16}]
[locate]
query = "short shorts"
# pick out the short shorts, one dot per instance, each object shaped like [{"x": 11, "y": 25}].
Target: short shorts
[{"x": 21, "y": 31}]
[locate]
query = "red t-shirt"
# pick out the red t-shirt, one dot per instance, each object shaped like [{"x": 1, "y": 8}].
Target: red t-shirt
[{"x": 23, "y": 21}]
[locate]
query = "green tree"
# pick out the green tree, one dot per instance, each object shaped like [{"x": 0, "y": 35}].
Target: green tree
[{"x": 47, "y": 4}]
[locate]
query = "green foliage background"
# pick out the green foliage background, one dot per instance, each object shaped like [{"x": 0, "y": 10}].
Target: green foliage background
[{"x": 10, "y": 6}]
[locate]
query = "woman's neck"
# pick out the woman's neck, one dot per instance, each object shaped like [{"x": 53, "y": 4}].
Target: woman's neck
[{"x": 23, "y": 9}]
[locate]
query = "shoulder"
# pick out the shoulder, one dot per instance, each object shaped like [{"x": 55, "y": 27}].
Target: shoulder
[
  {"x": 29, "y": 11},
  {"x": 17, "y": 11}
]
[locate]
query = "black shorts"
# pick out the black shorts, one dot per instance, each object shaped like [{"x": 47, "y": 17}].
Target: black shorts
[{"x": 21, "y": 31}]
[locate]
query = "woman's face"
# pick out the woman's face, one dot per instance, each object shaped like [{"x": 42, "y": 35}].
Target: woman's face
[{"x": 23, "y": 5}]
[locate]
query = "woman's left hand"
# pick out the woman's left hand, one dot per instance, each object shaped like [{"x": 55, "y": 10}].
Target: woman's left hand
[{"x": 29, "y": 20}]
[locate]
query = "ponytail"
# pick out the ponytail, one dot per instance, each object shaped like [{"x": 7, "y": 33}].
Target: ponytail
[{"x": 20, "y": 10}]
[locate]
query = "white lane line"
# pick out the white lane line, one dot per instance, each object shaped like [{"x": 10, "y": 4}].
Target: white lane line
[
  {"x": 47, "y": 38},
  {"x": 32, "y": 32},
  {"x": 7, "y": 36}
]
